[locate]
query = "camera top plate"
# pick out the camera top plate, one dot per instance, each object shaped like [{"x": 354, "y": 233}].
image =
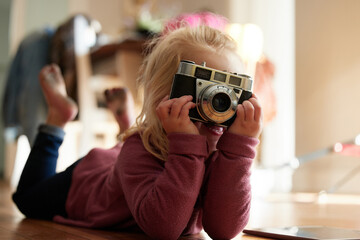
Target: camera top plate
[{"x": 234, "y": 80}]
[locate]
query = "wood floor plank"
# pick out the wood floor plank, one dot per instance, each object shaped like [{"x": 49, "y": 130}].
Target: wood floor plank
[
  {"x": 33, "y": 229},
  {"x": 93, "y": 234},
  {"x": 13, "y": 226},
  {"x": 10, "y": 235}
]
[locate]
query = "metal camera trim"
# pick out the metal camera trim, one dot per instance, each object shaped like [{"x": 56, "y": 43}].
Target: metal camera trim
[
  {"x": 188, "y": 68},
  {"x": 205, "y": 92}
]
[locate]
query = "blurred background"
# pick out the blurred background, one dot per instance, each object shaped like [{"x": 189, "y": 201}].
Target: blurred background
[{"x": 303, "y": 54}]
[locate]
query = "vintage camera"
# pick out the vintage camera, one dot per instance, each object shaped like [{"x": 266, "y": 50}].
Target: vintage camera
[{"x": 215, "y": 93}]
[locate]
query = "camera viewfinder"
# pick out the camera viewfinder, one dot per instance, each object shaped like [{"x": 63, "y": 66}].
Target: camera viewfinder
[
  {"x": 220, "y": 77},
  {"x": 235, "y": 81},
  {"x": 203, "y": 73}
]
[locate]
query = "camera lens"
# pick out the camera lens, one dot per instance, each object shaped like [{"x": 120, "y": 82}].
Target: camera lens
[
  {"x": 216, "y": 103},
  {"x": 221, "y": 102}
]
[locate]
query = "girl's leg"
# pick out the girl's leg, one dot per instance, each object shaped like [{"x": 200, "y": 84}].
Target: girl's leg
[
  {"x": 41, "y": 192},
  {"x": 47, "y": 198},
  {"x": 42, "y": 160}
]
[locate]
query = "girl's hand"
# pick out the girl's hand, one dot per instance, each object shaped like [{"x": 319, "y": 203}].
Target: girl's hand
[
  {"x": 249, "y": 117},
  {"x": 174, "y": 115}
]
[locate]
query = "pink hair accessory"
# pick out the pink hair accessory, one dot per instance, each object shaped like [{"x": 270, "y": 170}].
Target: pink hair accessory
[{"x": 195, "y": 19}]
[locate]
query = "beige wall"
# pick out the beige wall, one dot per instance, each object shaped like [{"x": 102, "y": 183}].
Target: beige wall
[
  {"x": 40, "y": 13},
  {"x": 327, "y": 89},
  {"x": 114, "y": 14},
  {"x": 220, "y": 7},
  {"x": 32, "y": 15},
  {"x": 277, "y": 21},
  {"x": 107, "y": 12}
]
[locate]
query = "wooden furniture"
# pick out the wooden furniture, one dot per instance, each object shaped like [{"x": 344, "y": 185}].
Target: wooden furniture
[
  {"x": 105, "y": 67},
  {"x": 276, "y": 210},
  {"x": 122, "y": 59}
]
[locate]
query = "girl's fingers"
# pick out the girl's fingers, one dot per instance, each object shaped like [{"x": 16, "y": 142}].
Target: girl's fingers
[
  {"x": 257, "y": 107},
  {"x": 171, "y": 107},
  {"x": 249, "y": 110},
  {"x": 177, "y": 106},
  {"x": 254, "y": 96},
  {"x": 165, "y": 98},
  {"x": 186, "y": 108},
  {"x": 240, "y": 112},
  {"x": 164, "y": 108}
]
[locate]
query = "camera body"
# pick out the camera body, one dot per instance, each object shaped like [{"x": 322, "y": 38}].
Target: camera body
[{"x": 215, "y": 93}]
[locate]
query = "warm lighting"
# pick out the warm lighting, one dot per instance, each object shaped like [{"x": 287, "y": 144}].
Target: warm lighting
[
  {"x": 294, "y": 163},
  {"x": 22, "y": 153},
  {"x": 85, "y": 34},
  {"x": 357, "y": 140},
  {"x": 338, "y": 147},
  {"x": 250, "y": 43},
  {"x": 323, "y": 197}
]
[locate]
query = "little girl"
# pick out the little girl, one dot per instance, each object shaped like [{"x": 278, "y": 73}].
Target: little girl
[{"x": 170, "y": 176}]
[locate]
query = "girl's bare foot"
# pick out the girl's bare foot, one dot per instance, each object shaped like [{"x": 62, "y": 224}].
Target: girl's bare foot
[
  {"x": 61, "y": 108},
  {"x": 120, "y": 102}
]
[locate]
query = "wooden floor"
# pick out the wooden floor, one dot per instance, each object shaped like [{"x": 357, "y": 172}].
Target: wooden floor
[
  {"x": 275, "y": 210},
  {"x": 13, "y": 225}
]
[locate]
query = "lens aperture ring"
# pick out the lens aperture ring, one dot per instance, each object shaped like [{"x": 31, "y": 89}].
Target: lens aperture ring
[{"x": 217, "y": 103}]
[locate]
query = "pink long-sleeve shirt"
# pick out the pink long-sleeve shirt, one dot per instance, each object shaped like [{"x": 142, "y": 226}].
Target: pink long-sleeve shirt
[{"x": 188, "y": 192}]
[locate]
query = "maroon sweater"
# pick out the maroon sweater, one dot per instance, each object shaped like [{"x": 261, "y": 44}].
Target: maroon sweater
[{"x": 188, "y": 192}]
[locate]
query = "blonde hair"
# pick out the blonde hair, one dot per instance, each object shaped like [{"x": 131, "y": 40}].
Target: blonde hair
[{"x": 157, "y": 73}]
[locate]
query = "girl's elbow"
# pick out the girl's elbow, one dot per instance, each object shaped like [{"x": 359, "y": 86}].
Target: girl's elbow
[
  {"x": 225, "y": 229},
  {"x": 222, "y": 233}
]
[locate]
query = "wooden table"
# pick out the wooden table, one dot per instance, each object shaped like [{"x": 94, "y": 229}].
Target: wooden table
[{"x": 276, "y": 210}]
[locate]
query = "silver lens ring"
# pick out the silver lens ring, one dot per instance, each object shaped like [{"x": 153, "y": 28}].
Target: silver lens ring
[{"x": 206, "y": 103}]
